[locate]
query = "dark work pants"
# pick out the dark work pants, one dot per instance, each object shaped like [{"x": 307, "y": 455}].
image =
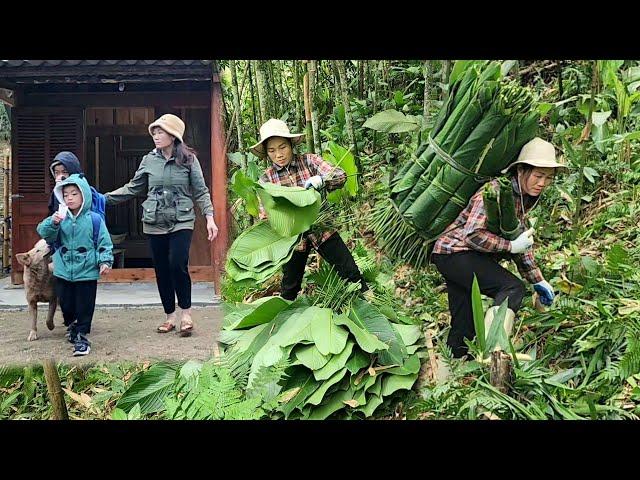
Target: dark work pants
[
  {"x": 170, "y": 254},
  {"x": 77, "y": 301},
  {"x": 493, "y": 280},
  {"x": 334, "y": 251}
]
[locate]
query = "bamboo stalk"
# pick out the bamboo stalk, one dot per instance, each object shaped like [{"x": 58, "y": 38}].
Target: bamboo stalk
[
  {"x": 344, "y": 92},
  {"x": 236, "y": 106},
  {"x": 237, "y": 112},
  {"x": 262, "y": 90},
  {"x": 314, "y": 113},
  {"x": 54, "y": 387},
  {"x": 307, "y": 113}
]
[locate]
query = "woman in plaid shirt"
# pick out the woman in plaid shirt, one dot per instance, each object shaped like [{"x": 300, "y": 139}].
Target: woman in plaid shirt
[
  {"x": 467, "y": 248},
  {"x": 308, "y": 170}
]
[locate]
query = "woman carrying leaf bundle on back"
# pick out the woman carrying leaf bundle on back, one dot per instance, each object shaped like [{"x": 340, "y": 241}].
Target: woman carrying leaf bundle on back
[
  {"x": 489, "y": 229},
  {"x": 308, "y": 171}
]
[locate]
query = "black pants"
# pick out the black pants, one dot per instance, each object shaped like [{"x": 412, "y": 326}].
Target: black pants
[
  {"x": 494, "y": 281},
  {"x": 170, "y": 254},
  {"x": 334, "y": 251},
  {"x": 77, "y": 301}
]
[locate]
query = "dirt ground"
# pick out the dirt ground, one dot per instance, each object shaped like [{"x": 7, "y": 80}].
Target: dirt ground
[{"x": 117, "y": 334}]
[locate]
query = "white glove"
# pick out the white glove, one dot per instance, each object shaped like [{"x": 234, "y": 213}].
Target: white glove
[
  {"x": 523, "y": 242},
  {"x": 315, "y": 182}
]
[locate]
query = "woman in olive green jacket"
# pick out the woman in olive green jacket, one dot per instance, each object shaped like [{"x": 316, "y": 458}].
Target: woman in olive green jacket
[{"x": 172, "y": 179}]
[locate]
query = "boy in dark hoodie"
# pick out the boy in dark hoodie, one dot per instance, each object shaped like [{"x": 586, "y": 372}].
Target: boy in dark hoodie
[{"x": 62, "y": 165}]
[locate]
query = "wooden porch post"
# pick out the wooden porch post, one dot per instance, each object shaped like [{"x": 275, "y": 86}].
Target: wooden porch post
[{"x": 218, "y": 181}]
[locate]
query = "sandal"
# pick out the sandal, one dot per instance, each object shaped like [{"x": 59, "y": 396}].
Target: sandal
[
  {"x": 166, "y": 327},
  {"x": 186, "y": 327}
]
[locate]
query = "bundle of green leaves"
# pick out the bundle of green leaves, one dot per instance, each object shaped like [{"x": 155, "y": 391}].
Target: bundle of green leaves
[
  {"x": 343, "y": 364},
  {"x": 259, "y": 252}
]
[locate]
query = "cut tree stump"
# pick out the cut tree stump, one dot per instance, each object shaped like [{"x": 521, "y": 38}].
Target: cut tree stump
[{"x": 501, "y": 371}]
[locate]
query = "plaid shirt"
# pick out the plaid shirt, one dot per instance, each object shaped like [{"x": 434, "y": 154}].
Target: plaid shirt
[
  {"x": 469, "y": 232},
  {"x": 302, "y": 168}
]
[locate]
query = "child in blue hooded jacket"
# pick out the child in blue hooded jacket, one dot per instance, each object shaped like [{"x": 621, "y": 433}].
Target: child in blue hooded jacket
[{"x": 78, "y": 262}]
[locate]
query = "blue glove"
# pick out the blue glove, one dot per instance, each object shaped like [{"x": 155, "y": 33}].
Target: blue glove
[{"x": 545, "y": 291}]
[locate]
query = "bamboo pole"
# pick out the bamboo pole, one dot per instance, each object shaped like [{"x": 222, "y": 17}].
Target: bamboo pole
[
  {"x": 314, "y": 113},
  {"x": 307, "y": 113},
  {"x": 54, "y": 387},
  {"x": 237, "y": 110}
]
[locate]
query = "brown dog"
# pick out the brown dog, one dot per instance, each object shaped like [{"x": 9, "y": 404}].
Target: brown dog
[{"x": 38, "y": 284}]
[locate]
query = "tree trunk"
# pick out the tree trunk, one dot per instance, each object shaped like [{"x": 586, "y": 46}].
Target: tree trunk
[
  {"x": 273, "y": 96},
  {"x": 501, "y": 371},
  {"x": 560, "y": 85},
  {"x": 314, "y": 113},
  {"x": 256, "y": 126},
  {"x": 307, "y": 111},
  {"x": 360, "y": 79},
  {"x": 238, "y": 110},
  {"x": 344, "y": 92},
  {"x": 285, "y": 86},
  {"x": 376, "y": 71},
  {"x": 262, "y": 91},
  {"x": 427, "y": 92},
  {"x": 446, "y": 69},
  {"x": 54, "y": 387},
  {"x": 298, "y": 96}
]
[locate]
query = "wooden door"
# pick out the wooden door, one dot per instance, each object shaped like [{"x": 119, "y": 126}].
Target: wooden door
[{"x": 38, "y": 134}]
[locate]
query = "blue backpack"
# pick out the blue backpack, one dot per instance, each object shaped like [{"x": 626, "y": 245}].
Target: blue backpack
[{"x": 98, "y": 204}]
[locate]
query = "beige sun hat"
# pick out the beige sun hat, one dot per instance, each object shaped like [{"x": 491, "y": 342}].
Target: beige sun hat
[
  {"x": 274, "y": 128},
  {"x": 538, "y": 153},
  {"x": 170, "y": 124}
]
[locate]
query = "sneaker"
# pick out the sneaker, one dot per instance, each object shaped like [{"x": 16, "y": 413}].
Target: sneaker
[
  {"x": 81, "y": 346},
  {"x": 72, "y": 333}
]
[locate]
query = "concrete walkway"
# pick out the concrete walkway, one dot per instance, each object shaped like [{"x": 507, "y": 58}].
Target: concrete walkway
[{"x": 114, "y": 295}]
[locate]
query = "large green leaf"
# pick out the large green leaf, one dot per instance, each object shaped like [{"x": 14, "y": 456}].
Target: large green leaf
[
  {"x": 270, "y": 329},
  {"x": 328, "y": 336},
  {"x": 342, "y": 158},
  {"x": 296, "y": 328},
  {"x": 150, "y": 389},
  {"x": 459, "y": 68},
  {"x": 302, "y": 384},
  {"x": 392, "y": 383},
  {"x": 310, "y": 357},
  {"x": 260, "y": 244},
  {"x": 392, "y": 121},
  {"x": 245, "y": 188},
  {"x": 265, "y": 309},
  {"x": 318, "y": 395},
  {"x": 230, "y": 337},
  {"x": 366, "y": 341},
  {"x": 373, "y": 402},
  {"x": 239, "y": 274},
  {"x": 497, "y": 336},
  {"x": 290, "y": 210},
  {"x": 478, "y": 314},
  {"x": 331, "y": 406},
  {"x": 368, "y": 317},
  {"x": 410, "y": 366},
  {"x": 297, "y": 196},
  {"x": 358, "y": 360},
  {"x": 336, "y": 363},
  {"x": 268, "y": 355},
  {"x": 409, "y": 333}
]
